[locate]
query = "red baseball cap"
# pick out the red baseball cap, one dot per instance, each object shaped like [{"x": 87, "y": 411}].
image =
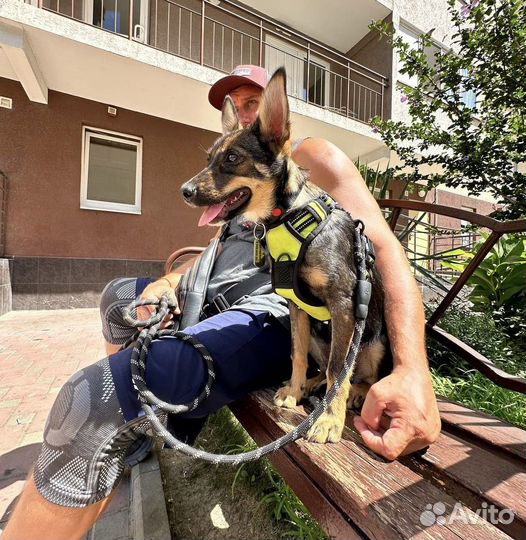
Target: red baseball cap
[{"x": 239, "y": 76}]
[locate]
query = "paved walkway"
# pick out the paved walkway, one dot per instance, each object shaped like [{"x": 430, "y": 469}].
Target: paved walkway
[{"x": 39, "y": 351}]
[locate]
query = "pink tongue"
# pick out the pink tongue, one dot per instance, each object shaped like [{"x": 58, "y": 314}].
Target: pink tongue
[{"x": 210, "y": 213}]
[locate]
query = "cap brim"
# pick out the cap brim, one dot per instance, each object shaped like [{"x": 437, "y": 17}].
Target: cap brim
[{"x": 223, "y": 86}]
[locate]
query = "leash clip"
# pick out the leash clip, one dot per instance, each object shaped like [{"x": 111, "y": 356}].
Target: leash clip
[
  {"x": 263, "y": 231},
  {"x": 259, "y": 250}
]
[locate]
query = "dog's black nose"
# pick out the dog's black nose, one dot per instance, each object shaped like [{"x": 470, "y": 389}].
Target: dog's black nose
[{"x": 188, "y": 191}]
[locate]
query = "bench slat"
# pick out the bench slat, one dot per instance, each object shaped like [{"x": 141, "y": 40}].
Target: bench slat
[
  {"x": 469, "y": 424},
  {"x": 328, "y": 515},
  {"x": 383, "y": 500},
  {"x": 474, "y": 476}
]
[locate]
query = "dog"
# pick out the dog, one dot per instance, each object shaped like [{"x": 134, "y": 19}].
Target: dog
[{"x": 250, "y": 173}]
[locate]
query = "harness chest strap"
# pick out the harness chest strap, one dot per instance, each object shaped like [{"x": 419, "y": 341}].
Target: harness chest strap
[{"x": 287, "y": 241}]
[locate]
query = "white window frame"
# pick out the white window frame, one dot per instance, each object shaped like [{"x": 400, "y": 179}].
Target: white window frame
[
  {"x": 411, "y": 36},
  {"x": 89, "y": 204},
  {"x": 139, "y": 30},
  {"x": 295, "y": 87}
]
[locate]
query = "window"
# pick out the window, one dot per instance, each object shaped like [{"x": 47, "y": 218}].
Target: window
[
  {"x": 468, "y": 97},
  {"x": 111, "y": 177},
  {"x": 412, "y": 39},
  {"x": 114, "y": 15},
  {"x": 317, "y": 82},
  {"x": 279, "y": 52}
]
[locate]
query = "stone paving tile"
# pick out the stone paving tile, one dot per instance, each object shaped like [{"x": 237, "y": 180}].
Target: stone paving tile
[
  {"x": 40, "y": 350},
  {"x": 18, "y": 419},
  {"x": 10, "y": 404},
  {"x": 32, "y": 438}
]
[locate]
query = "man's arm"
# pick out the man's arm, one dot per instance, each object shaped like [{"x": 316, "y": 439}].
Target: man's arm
[{"x": 406, "y": 396}]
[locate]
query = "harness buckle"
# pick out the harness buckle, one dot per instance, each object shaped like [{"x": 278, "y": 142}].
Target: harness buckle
[
  {"x": 221, "y": 303},
  {"x": 218, "y": 304}
]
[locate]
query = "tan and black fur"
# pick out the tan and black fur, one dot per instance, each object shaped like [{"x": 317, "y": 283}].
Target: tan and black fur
[{"x": 257, "y": 160}]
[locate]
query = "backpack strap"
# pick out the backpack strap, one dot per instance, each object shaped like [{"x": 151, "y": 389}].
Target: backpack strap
[{"x": 193, "y": 285}]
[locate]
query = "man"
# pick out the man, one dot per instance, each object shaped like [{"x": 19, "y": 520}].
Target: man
[{"x": 95, "y": 418}]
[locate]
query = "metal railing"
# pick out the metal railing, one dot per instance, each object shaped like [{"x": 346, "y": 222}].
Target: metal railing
[
  {"x": 453, "y": 343},
  {"x": 225, "y": 35}
]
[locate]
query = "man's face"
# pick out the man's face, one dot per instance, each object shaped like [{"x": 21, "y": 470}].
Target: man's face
[{"x": 246, "y": 98}]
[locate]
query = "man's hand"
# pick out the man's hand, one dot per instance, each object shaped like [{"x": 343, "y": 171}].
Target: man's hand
[
  {"x": 154, "y": 291},
  {"x": 407, "y": 398}
]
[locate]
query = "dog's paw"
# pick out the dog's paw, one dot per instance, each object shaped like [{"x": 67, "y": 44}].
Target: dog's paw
[
  {"x": 357, "y": 396},
  {"x": 286, "y": 397},
  {"x": 328, "y": 428}
]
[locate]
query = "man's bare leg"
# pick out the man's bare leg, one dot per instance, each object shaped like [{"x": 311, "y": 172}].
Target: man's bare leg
[
  {"x": 35, "y": 517},
  {"x": 111, "y": 348}
]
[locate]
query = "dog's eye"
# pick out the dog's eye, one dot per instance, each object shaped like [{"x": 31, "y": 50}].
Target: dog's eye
[{"x": 231, "y": 158}]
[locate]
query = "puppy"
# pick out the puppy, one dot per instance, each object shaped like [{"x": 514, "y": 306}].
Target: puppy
[{"x": 250, "y": 172}]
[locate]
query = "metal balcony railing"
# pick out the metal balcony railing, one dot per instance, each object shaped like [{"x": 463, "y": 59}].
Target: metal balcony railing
[
  {"x": 223, "y": 35},
  {"x": 496, "y": 229}
]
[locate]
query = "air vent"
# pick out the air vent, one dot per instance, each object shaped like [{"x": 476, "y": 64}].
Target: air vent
[
  {"x": 6, "y": 102},
  {"x": 112, "y": 111}
]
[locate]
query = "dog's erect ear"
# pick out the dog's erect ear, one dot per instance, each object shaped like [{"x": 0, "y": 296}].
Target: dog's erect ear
[
  {"x": 229, "y": 117},
  {"x": 274, "y": 122}
]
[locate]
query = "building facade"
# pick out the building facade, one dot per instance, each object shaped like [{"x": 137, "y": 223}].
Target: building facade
[{"x": 104, "y": 114}]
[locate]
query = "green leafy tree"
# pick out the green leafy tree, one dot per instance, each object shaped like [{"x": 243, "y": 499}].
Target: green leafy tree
[{"x": 475, "y": 147}]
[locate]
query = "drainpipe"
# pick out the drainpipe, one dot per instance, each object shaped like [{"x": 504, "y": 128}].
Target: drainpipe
[{"x": 3, "y": 211}]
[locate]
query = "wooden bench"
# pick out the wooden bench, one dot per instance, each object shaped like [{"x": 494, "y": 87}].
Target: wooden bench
[
  {"x": 478, "y": 462},
  {"x": 476, "y": 469}
]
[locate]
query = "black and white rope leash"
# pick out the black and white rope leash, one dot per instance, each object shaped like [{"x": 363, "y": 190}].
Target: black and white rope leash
[{"x": 152, "y": 331}]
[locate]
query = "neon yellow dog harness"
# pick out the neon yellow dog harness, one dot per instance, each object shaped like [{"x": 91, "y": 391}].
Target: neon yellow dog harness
[{"x": 287, "y": 241}]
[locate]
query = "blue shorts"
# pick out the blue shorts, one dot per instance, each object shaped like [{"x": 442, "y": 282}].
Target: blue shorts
[
  {"x": 250, "y": 349},
  {"x": 97, "y": 415}
]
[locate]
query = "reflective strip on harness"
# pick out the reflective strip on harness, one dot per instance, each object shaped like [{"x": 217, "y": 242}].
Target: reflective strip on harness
[{"x": 284, "y": 243}]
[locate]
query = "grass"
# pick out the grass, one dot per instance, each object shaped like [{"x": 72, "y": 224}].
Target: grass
[
  {"x": 475, "y": 391},
  {"x": 224, "y": 434}
]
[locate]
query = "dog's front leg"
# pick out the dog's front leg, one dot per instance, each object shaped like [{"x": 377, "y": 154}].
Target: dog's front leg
[
  {"x": 329, "y": 426},
  {"x": 290, "y": 395},
  {"x": 366, "y": 372}
]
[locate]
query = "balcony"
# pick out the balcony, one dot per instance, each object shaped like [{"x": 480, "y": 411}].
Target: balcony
[{"x": 221, "y": 35}]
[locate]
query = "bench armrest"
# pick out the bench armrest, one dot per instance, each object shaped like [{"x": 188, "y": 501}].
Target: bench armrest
[{"x": 190, "y": 250}]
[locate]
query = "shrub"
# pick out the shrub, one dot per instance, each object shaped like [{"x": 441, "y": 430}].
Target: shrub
[
  {"x": 480, "y": 332},
  {"x": 454, "y": 379},
  {"x": 498, "y": 285}
]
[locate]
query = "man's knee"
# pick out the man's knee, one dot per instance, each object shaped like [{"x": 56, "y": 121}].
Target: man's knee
[{"x": 82, "y": 456}]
